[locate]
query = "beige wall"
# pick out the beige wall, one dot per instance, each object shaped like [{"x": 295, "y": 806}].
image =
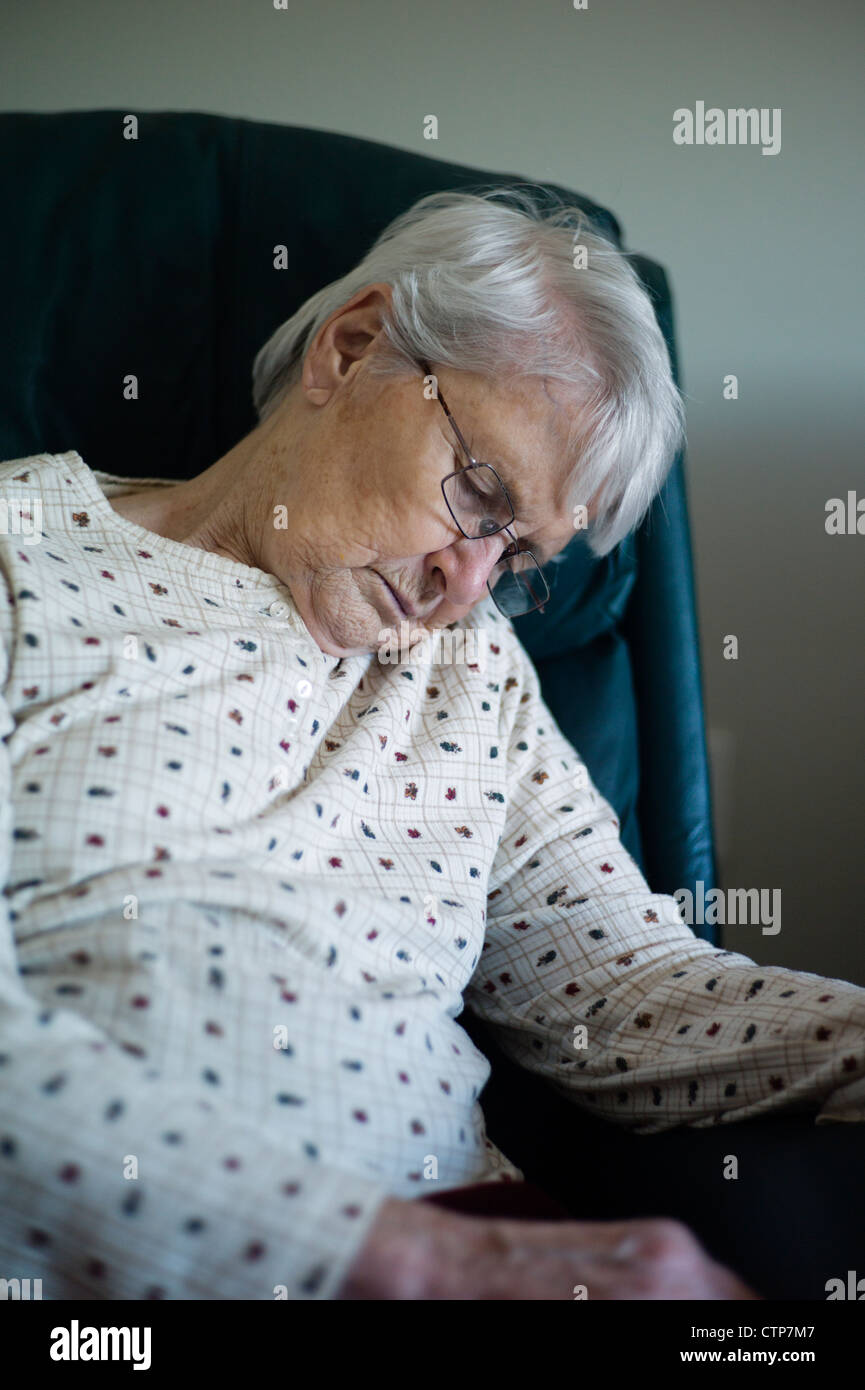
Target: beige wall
[{"x": 764, "y": 256}]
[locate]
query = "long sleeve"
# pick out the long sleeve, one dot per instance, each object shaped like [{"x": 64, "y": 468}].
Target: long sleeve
[
  {"x": 115, "y": 1183},
  {"x": 595, "y": 983}
]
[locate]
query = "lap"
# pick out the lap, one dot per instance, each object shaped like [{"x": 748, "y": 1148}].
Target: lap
[
  {"x": 778, "y": 1199},
  {"x": 788, "y": 1216}
]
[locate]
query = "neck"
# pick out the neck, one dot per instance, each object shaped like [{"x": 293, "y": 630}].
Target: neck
[{"x": 210, "y": 511}]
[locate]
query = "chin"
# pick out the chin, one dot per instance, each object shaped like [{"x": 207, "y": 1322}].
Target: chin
[
  {"x": 341, "y": 638},
  {"x": 342, "y": 644}
]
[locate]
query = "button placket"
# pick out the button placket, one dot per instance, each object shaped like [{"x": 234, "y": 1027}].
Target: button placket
[
  {"x": 279, "y": 777},
  {"x": 303, "y": 688}
]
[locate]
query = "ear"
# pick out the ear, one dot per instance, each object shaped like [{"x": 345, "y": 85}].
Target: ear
[{"x": 343, "y": 340}]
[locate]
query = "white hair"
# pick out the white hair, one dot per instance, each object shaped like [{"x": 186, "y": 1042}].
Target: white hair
[{"x": 489, "y": 283}]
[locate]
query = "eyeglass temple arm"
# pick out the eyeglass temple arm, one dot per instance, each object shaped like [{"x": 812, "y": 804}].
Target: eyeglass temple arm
[{"x": 428, "y": 371}]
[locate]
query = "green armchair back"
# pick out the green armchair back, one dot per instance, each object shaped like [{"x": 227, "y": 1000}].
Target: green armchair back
[{"x": 154, "y": 257}]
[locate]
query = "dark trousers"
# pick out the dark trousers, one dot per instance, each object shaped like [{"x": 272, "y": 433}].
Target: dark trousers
[{"x": 792, "y": 1219}]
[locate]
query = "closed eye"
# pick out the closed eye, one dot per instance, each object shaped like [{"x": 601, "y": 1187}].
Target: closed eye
[{"x": 469, "y": 478}]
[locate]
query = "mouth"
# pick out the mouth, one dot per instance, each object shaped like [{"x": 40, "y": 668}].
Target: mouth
[{"x": 404, "y": 608}]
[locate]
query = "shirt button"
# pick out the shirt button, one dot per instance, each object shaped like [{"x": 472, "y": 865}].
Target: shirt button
[
  {"x": 278, "y": 609},
  {"x": 304, "y": 688}
]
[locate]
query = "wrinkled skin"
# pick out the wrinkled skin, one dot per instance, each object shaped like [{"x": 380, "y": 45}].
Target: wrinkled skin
[{"x": 356, "y": 461}]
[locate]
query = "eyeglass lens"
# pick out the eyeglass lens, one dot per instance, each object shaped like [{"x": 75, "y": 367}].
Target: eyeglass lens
[{"x": 478, "y": 501}]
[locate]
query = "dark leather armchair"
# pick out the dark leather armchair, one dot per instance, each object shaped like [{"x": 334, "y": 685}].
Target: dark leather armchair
[{"x": 154, "y": 257}]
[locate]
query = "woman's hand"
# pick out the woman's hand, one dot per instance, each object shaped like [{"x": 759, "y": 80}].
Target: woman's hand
[{"x": 418, "y": 1251}]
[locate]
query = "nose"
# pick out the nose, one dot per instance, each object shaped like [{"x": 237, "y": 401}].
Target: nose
[{"x": 467, "y": 565}]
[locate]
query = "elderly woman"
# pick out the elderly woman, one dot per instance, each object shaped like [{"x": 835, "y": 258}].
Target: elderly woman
[{"x": 254, "y": 867}]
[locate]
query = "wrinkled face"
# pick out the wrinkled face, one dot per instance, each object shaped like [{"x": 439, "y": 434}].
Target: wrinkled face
[{"x": 358, "y": 461}]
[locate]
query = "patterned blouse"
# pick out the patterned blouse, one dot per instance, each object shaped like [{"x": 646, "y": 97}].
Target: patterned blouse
[{"x": 249, "y": 888}]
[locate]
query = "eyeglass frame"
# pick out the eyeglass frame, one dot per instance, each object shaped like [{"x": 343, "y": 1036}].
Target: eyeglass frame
[{"x": 509, "y": 552}]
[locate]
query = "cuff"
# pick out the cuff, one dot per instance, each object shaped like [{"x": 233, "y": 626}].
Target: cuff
[{"x": 847, "y": 1103}]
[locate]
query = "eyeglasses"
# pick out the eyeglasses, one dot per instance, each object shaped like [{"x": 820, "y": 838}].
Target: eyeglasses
[{"x": 479, "y": 503}]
